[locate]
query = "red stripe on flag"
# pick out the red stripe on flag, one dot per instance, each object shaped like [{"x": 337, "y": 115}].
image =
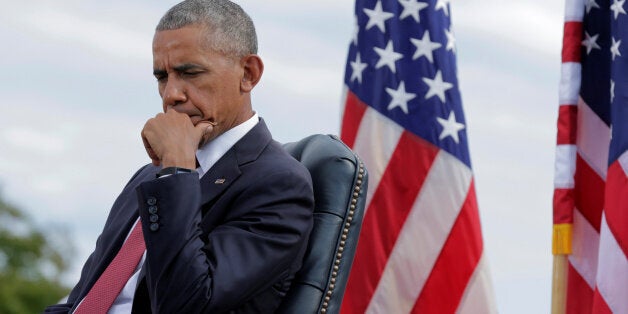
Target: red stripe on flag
[
  {"x": 354, "y": 111},
  {"x": 589, "y": 193},
  {"x": 616, "y": 206},
  {"x": 567, "y": 122},
  {"x": 572, "y": 41},
  {"x": 563, "y": 206},
  {"x": 390, "y": 205},
  {"x": 579, "y": 294},
  {"x": 599, "y": 305},
  {"x": 456, "y": 263}
]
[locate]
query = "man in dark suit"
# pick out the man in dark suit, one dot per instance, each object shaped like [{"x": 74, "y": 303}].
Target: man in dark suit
[{"x": 224, "y": 212}]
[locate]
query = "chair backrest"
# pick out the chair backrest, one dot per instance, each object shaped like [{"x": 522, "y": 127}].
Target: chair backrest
[{"x": 340, "y": 183}]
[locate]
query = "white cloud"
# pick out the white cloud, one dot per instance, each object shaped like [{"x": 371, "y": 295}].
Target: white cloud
[
  {"x": 531, "y": 25},
  {"x": 302, "y": 80},
  {"x": 34, "y": 141},
  {"x": 106, "y": 37},
  {"x": 500, "y": 99}
]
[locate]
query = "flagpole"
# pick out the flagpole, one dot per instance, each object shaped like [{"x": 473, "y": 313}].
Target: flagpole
[
  {"x": 559, "y": 284},
  {"x": 562, "y": 234}
]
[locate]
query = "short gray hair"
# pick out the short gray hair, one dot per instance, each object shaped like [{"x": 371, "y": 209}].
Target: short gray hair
[{"x": 230, "y": 29}]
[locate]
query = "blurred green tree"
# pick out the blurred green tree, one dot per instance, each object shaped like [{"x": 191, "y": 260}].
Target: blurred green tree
[{"x": 32, "y": 261}]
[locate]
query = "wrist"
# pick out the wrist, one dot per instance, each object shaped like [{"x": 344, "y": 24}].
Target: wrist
[
  {"x": 168, "y": 171},
  {"x": 188, "y": 163}
]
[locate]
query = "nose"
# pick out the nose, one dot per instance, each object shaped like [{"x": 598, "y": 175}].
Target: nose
[{"x": 173, "y": 94}]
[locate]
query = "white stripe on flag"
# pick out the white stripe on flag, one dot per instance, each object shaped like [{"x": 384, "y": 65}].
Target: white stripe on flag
[
  {"x": 478, "y": 296},
  {"x": 585, "y": 246},
  {"x": 574, "y": 10},
  {"x": 623, "y": 161},
  {"x": 423, "y": 235},
  {"x": 375, "y": 143},
  {"x": 565, "y": 166},
  {"x": 569, "y": 87},
  {"x": 343, "y": 99},
  {"x": 612, "y": 275},
  {"x": 594, "y": 138}
]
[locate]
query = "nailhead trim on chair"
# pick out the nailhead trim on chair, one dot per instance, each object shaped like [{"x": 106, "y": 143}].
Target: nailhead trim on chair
[{"x": 345, "y": 232}]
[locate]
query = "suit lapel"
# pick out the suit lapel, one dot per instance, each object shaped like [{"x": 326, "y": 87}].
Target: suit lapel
[
  {"x": 219, "y": 177},
  {"x": 227, "y": 169}
]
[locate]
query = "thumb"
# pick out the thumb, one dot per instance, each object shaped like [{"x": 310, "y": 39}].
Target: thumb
[{"x": 203, "y": 128}]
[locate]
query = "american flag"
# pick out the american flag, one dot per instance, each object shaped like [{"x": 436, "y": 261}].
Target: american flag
[
  {"x": 421, "y": 247},
  {"x": 591, "y": 186}
]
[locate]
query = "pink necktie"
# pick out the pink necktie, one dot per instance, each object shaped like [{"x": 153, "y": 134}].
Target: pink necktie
[{"x": 100, "y": 298}]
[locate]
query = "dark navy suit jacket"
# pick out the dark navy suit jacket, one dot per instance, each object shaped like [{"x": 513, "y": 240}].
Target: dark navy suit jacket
[{"x": 230, "y": 242}]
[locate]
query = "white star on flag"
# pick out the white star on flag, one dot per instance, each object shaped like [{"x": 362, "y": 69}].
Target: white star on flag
[
  {"x": 591, "y": 4},
  {"x": 425, "y": 47},
  {"x": 437, "y": 86},
  {"x": 612, "y": 90},
  {"x": 400, "y": 97},
  {"x": 387, "y": 57},
  {"x": 442, "y": 5},
  {"x": 451, "y": 40},
  {"x": 615, "y": 48},
  {"x": 412, "y": 8},
  {"x": 378, "y": 17},
  {"x": 389, "y": 119},
  {"x": 450, "y": 127},
  {"x": 590, "y": 42},
  {"x": 357, "y": 66},
  {"x": 618, "y": 7}
]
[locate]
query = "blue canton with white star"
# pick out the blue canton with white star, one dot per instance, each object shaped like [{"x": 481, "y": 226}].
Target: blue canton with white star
[
  {"x": 402, "y": 63},
  {"x": 619, "y": 80},
  {"x": 603, "y": 57}
]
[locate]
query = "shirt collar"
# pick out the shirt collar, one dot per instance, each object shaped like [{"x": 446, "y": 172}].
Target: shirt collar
[{"x": 209, "y": 154}]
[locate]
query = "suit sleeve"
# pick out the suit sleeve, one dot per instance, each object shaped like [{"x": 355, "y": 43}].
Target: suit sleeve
[
  {"x": 269, "y": 223},
  {"x": 73, "y": 297}
]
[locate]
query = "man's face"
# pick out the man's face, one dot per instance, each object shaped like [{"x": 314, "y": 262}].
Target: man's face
[{"x": 198, "y": 81}]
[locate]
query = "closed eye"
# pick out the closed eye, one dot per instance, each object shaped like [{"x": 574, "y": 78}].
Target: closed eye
[
  {"x": 191, "y": 74},
  {"x": 189, "y": 69}
]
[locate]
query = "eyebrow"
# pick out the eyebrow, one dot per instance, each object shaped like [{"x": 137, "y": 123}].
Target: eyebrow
[
  {"x": 159, "y": 72},
  {"x": 179, "y": 68},
  {"x": 187, "y": 66}
]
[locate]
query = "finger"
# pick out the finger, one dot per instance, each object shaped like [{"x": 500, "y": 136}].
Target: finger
[
  {"x": 151, "y": 154},
  {"x": 154, "y": 159},
  {"x": 149, "y": 150},
  {"x": 204, "y": 127},
  {"x": 145, "y": 141}
]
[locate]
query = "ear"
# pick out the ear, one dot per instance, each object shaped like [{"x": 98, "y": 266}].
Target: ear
[{"x": 253, "y": 69}]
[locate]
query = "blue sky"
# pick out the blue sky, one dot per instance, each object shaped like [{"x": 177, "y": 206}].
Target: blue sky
[{"x": 77, "y": 88}]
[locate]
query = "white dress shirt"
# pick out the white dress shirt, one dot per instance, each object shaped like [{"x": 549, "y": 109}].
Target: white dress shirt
[{"x": 207, "y": 156}]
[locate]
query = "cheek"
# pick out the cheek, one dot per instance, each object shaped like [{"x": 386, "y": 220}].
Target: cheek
[{"x": 205, "y": 103}]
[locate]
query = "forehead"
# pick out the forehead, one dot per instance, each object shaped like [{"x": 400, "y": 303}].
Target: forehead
[
  {"x": 189, "y": 45},
  {"x": 185, "y": 37},
  {"x": 183, "y": 42}
]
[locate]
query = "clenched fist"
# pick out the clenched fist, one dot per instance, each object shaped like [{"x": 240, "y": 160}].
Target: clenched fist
[{"x": 171, "y": 139}]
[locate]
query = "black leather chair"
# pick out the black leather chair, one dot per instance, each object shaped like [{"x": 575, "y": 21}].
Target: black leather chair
[{"x": 340, "y": 183}]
